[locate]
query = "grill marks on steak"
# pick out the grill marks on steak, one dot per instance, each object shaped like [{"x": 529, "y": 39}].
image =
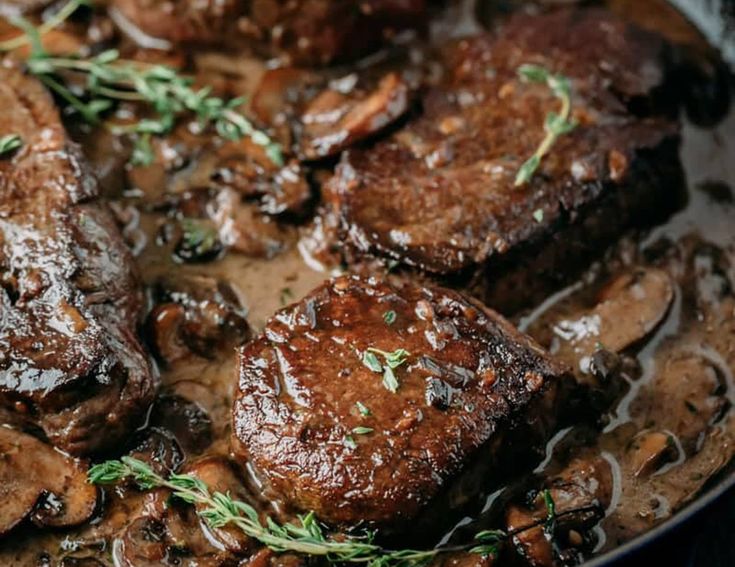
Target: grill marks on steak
[
  {"x": 71, "y": 363},
  {"x": 470, "y": 381},
  {"x": 439, "y": 194}
]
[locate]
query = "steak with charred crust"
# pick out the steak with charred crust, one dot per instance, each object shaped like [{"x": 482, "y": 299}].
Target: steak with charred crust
[
  {"x": 70, "y": 363},
  {"x": 366, "y": 402}
]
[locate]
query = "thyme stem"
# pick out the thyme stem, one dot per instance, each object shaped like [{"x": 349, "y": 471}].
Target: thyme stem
[
  {"x": 308, "y": 538},
  {"x": 109, "y": 80},
  {"x": 53, "y": 22},
  {"x": 555, "y": 124}
]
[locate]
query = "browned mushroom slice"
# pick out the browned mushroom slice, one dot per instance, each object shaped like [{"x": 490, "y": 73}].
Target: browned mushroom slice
[
  {"x": 580, "y": 494},
  {"x": 218, "y": 475},
  {"x": 167, "y": 532},
  {"x": 195, "y": 314},
  {"x": 630, "y": 307},
  {"x": 35, "y": 478},
  {"x": 685, "y": 397},
  {"x": 335, "y": 120}
]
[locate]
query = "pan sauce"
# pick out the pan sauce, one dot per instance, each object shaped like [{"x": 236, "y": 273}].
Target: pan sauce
[{"x": 668, "y": 430}]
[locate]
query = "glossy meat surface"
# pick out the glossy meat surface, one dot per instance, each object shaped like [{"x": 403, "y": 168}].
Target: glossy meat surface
[
  {"x": 71, "y": 362},
  {"x": 307, "y": 31},
  {"x": 440, "y": 195},
  {"x": 323, "y": 429}
]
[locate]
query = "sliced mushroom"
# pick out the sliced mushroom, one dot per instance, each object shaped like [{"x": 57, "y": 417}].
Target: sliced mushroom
[
  {"x": 335, "y": 120},
  {"x": 685, "y": 397},
  {"x": 168, "y": 533},
  {"x": 37, "y": 479},
  {"x": 650, "y": 450},
  {"x": 629, "y": 309},
  {"x": 186, "y": 419},
  {"x": 219, "y": 476},
  {"x": 195, "y": 314},
  {"x": 580, "y": 494}
]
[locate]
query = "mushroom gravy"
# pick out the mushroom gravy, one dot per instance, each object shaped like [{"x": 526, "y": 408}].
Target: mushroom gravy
[{"x": 652, "y": 323}]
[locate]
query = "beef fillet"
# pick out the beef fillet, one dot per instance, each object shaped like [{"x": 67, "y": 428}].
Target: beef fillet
[
  {"x": 70, "y": 362},
  {"x": 307, "y": 31},
  {"x": 440, "y": 194},
  {"x": 365, "y": 402}
]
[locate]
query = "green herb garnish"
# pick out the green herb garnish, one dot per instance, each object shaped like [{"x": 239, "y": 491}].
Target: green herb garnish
[
  {"x": 362, "y": 408},
  {"x": 550, "y": 522},
  {"x": 307, "y": 537},
  {"x": 390, "y": 382},
  {"x": 371, "y": 361},
  {"x": 349, "y": 442},
  {"x": 10, "y": 143},
  {"x": 538, "y": 215},
  {"x": 53, "y": 22},
  {"x": 555, "y": 124},
  {"x": 389, "y": 317},
  {"x": 198, "y": 239},
  {"x": 110, "y": 80},
  {"x": 362, "y": 430},
  {"x": 392, "y": 360}
]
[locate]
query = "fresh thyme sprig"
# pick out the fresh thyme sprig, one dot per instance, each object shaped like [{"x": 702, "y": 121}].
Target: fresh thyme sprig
[
  {"x": 392, "y": 361},
  {"x": 53, "y": 22},
  {"x": 10, "y": 143},
  {"x": 555, "y": 125},
  {"x": 110, "y": 80},
  {"x": 308, "y": 537}
]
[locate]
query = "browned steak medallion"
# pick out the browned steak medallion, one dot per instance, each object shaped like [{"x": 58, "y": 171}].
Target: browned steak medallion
[
  {"x": 440, "y": 194},
  {"x": 364, "y": 400},
  {"x": 308, "y": 31},
  {"x": 70, "y": 362}
]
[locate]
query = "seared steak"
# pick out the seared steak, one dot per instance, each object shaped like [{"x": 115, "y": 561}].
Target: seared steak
[
  {"x": 70, "y": 361},
  {"x": 439, "y": 195},
  {"x": 308, "y": 31},
  {"x": 330, "y": 422}
]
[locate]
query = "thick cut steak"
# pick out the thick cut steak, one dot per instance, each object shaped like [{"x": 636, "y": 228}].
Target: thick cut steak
[
  {"x": 308, "y": 31},
  {"x": 70, "y": 361},
  {"x": 439, "y": 194},
  {"x": 325, "y": 430}
]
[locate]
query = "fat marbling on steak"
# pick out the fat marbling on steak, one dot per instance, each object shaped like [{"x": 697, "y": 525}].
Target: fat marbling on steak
[
  {"x": 323, "y": 430},
  {"x": 439, "y": 194},
  {"x": 70, "y": 361}
]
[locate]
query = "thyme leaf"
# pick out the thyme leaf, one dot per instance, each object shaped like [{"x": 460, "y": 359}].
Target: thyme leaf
[
  {"x": 550, "y": 522},
  {"x": 555, "y": 124},
  {"x": 52, "y": 23},
  {"x": 362, "y": 430},
  {"x": 198, "y": 239},
  {"x": 389, "y": 317},
  {"x": 392, "y": 360},
  {"x": 371, "y": 361},
  {"x": 362, "y": 408},
  {"x": 389, "y": 380},
  {"x": 10, "y": 143}
]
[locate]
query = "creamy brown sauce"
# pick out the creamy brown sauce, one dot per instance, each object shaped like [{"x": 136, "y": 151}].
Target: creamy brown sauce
[{"x": 639, "y": 501}]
